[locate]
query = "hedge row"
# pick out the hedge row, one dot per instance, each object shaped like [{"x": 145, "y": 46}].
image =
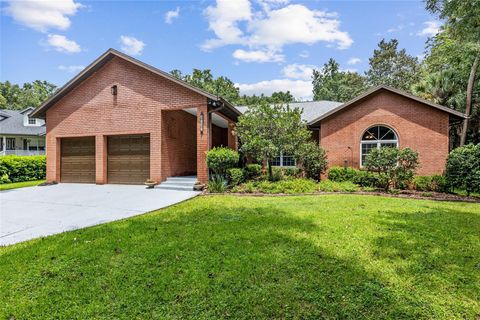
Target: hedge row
[{"x": 22, "y": 168}]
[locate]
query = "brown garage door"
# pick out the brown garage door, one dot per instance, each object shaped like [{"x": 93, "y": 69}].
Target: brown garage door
[
  {"x": 77, "y": 160},
  {"x": 128, "y": 159}
]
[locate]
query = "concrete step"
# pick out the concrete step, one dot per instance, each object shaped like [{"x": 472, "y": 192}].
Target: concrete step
[
  {"x": 185, "y": 179},
  {"x": 178, "y": 183},
  {"x": 173, "y": 187}
]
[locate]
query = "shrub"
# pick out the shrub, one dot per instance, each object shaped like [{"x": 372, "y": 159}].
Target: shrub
[
  {"x": 252, "y": 171},
  {"x": 463, "y": 168},
  {"x": 22, "y": 168},
  {"x": 291, "y": 186},
  {"x": 219, "y": 160},
  {"x": 277, "y": 174},
  {"x": 333, "y": 186},
  {"x": 291, "y": 172},
  {"x": 235, "y": 176},
  {"x": 430, "y": 183},
  {"x": 339, "y": 174},
  {"x": 394, "y": 167},
  {"x": 361, "y": 177},
  {"x": 313, "y": 160},
  {"x": 217, "y": 184}
]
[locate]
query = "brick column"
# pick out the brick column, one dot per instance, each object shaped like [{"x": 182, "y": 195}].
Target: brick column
[
  {"x": 100, "y": 159},
  {"x": 53, "y": 154},
  {"x": 156, "y": 155},
  {"x": 203, "y": 143},
  {"x": 232, "y": 139}
]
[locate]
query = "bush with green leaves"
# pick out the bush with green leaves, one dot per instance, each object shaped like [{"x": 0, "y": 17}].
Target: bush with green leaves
[
  {"x": 435, "y": 183},
  {"x": 333, "y": 186},
  {"x": 252, "y": 171},
  {"x": 361, "y": 177},
  {"x": 235, "y": 176},
  {"x": 313, "y": 160},
  {"x": 217, "y": 184},
  {"x": 220, "y": 159},
  {"x": 394, "y": 167},
  {"x": 289, "y": 186},
  {"x": 463, "y": 168},
  {"x": 22, "y": 168}
]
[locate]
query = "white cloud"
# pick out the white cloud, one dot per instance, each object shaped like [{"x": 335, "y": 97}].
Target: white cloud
[
  {"x": 62, "y": 44},
  {"x": 173, "y": 14},
  {"x": 300, "y": 89},
  {"x": 269, "y": 30},
  {"x": 431, "y": 28},
  {"x": 131, "y": 45},
  {"x": 352, "y": 61},
  {"x": 258, "y": 56},
  {"x": 71, "y": 69},
  {"x": 304, "y": 54},
  {"x": 223, "y": 21},
  {"x": 298, "y": 71},
  {"x": 42, "y": 15},
  {"x": 348, "y": 70}
]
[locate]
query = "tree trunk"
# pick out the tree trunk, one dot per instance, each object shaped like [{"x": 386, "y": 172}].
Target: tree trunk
[
  {"x": 270, "y": 171},
  {"x": 468, "y": 107}
]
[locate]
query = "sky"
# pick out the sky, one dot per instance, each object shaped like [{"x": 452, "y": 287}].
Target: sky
[{"x": 261, "y": 45}]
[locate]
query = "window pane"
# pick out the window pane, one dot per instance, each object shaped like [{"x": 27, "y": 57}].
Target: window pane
[
  {"x": 370, "y": 134},
  {"x": 366, "y": 148},
  {"x": 386, "y": 134},
  {"x": 288, "y": 161},
  {"x": 275, "y": 162},
  {"x": 388, "y": 144}
]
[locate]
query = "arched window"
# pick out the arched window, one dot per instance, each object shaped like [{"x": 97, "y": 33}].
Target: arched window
[{"x": 377, "y": 137}]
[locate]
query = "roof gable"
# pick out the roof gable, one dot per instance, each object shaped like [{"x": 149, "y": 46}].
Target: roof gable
[
  {"x": 374, "y": 90},
  {"x": 39, "y": 112}
]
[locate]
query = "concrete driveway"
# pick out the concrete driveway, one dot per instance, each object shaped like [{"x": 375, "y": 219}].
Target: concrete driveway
[{"x": 34, "y": 212}]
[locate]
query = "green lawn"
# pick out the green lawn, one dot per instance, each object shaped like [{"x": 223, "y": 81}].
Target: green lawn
[
  {"x": 303, "y": 257},
  {"x": 16, "y": 185}
]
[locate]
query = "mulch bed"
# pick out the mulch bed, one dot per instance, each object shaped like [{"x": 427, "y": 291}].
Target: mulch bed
[{"x": 408, "y": 194}]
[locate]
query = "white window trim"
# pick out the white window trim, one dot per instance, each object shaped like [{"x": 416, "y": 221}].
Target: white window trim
[
  {"x": 378, "y": 142},
  {"x": 281, "y": 162}
]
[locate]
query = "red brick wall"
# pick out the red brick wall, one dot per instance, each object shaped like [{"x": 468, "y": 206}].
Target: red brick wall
[
  {"x": 419, "y": 127},
  {"x": 179, "y": 143},
  {"x": 91, "y": 110}
]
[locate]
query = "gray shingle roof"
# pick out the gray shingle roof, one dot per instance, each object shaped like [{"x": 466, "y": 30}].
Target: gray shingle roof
[
  {"x": 311, "y": 109},
  {"x": 12, "y": 123}
]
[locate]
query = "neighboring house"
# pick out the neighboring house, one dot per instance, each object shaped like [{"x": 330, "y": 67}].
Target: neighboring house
[
  {"x": 123, "y": 121},
  {"x": 382, "y": 116},
  {"x": 21, "y": 134}
]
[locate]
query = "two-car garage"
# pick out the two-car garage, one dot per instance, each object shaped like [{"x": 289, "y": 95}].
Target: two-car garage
[{"x": 128, "y": 159}]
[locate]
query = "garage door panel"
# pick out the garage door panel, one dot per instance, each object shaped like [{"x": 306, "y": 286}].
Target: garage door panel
[
  {"x": 128, "y": 159},
  {"x": 77, "y": 160}
]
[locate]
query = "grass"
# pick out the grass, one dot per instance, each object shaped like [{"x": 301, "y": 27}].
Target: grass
[
  {"x": 302, "y": 257},
  {"x": 16, "y": 185}
]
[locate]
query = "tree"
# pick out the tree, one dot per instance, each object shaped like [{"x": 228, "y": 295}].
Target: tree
[
  {"x": 203, "y": 79},
  {"x": 463, "y": 168},
  {"x": 267, "y": 130},
  {"x": 443, "y": 87},
  {"x": 12, "y": 96},
  {"x": 331, "y": 84},
  {"x": 392, "y": 67},
  {"x": 462, "y": 23},
  {"x": 394, "y": 166},
  {"x": 313, "y": 160}
]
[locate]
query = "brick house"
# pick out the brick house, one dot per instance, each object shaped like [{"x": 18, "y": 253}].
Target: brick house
[{"x": 123, "y": 121}]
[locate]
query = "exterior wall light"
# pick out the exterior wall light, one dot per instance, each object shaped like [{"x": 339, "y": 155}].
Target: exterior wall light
[
  {"x": 113, "y": 90},
  {"x": 201, "y": 123}
]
